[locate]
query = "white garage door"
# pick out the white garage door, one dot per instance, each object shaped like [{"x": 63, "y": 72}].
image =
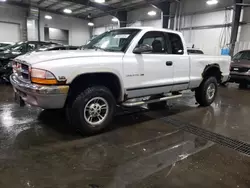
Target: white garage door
[{"x": 9, "y": 32}]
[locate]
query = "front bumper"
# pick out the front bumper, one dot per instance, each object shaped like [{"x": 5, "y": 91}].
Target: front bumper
[
  {"x": 239, "y": 77},
  {"x": 46, "y": 97}
]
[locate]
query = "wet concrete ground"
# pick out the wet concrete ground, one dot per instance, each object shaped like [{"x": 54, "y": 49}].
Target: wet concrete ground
[{"x": 39, "y": 149}]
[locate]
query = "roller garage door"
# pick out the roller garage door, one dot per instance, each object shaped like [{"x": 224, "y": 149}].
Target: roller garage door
[{"x": 9, "y": 32}]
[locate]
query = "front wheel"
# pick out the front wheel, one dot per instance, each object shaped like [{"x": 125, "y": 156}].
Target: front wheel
[
  {"x": 206, "y": 93},
  {"x": 93, "y": 110}
]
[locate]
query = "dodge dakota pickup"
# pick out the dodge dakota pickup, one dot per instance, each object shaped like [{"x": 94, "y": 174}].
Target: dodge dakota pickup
[{"x": 123, "y": 67}]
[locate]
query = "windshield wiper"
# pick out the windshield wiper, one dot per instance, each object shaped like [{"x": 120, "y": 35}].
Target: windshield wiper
[
  {"x": 103, "y": 49},
  {"x": 110, "y": 50},
  {"x": 98, "y": 48}
]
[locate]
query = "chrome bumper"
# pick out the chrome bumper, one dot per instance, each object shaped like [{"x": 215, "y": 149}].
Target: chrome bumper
[{"x": 47, "y": 97}]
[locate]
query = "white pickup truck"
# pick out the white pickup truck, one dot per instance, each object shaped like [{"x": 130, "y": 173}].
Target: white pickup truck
[{"x": 114, "y": 68}]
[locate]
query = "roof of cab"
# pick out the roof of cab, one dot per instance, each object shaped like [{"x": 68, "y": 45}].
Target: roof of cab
[{"x": 151, "y": 29}]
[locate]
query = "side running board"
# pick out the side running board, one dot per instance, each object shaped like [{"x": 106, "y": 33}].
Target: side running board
[{"x": 143, "y": 102}]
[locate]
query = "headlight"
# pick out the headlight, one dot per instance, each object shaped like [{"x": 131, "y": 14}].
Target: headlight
[{"x": 40, "y": 76}]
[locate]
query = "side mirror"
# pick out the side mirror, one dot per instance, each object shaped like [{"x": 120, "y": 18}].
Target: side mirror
[{"x": 144, "y": 48}]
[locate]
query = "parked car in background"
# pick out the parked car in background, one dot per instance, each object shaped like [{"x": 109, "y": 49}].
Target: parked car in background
[
  {"x": 119, "y": 67},
  {"x": 240, "y": 69},
  {"x": 54, "y": 47},
  {"x": 194, "y": 51},
  {"x": 5, "y": 45},
  {"x": 14, "y": 51}
]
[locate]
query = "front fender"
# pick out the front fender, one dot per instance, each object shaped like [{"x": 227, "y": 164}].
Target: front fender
[{"x": 94, "y": 71}]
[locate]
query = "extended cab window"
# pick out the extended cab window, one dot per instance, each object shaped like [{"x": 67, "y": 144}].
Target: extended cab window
[
  {"x": 175, "y": 43},
  {"x": 155, "y": 40}
]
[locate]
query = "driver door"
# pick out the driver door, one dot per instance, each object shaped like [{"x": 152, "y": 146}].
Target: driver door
[{"x": 150, "y": 72}]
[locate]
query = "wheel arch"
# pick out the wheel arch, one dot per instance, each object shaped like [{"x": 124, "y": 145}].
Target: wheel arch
[
  {"x": 212, "y": 70},
  {"x": 108, "y": 79}
]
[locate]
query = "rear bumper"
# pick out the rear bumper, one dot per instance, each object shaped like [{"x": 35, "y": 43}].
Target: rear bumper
[
  {"x": 47, "y": 97},
  {"x": 238, "y": 78}
]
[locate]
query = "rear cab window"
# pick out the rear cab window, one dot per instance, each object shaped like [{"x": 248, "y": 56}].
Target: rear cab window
[{"x": 192, "y": 51}]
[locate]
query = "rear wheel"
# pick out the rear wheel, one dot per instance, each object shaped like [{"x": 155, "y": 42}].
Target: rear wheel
[
  {"x": 93, "y": 110},
  {"x": 206, "y": 93}
]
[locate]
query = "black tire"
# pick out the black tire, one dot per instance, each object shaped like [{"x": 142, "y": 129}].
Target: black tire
[
  {"x": 243, "y": 85},
  {"x": 77, "y": 112},
  {"x": 157, "y": 105},
  {"x": 201, "y": 93}
]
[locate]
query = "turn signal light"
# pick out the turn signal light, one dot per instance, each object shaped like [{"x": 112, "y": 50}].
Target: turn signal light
[{"x": 44, "y": 81}]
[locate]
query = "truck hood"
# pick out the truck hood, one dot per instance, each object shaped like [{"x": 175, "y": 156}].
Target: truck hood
[{"x": 38, "y": 57}]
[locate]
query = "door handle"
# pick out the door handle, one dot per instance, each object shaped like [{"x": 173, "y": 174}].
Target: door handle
[{"x": 169, "y": 63}]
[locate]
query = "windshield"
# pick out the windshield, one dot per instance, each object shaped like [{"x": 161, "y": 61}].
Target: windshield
[
  {"x": 116, "y": 40},
  {"x": 245, "y": 55}
]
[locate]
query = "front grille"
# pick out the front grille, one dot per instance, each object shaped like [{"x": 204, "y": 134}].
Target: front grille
[
  {"x": 22, "y": 71},
  {"x": 25, "y": 67},
  {"x": 25, "y": 76},
  {"x": 240, "y": 69}
]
